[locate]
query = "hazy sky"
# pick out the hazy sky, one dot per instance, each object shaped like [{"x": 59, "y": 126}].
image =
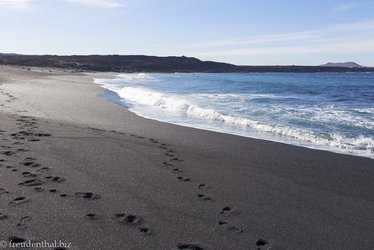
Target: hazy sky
[{"x": 253, "y": 32}]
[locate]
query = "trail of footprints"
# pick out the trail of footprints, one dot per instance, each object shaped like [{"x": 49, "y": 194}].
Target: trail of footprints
[
  {"x": 36, "y": 176},
  {"x": 9, "y": 99},
  {"x": 171, "y": 164}
]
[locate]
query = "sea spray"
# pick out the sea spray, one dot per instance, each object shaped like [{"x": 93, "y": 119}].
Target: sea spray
[{"x": 324, "y": 111}]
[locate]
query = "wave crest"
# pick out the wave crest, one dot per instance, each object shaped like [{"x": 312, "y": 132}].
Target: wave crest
[{"x": 185, "y": 105}]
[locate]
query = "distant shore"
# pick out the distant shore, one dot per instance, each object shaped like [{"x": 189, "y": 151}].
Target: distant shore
[
  {"x": 77, "y": 168},
  {"x": 155, "y": 64}
]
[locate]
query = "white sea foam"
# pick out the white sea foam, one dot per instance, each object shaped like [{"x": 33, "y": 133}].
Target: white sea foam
[
  {"x": 331, "y": 113},
  {"x": 133, "y": 78},
  {"x": 185, "y": 105},
  {"x": 120, "y": 79},
  {"x": 365, "y": 110}
]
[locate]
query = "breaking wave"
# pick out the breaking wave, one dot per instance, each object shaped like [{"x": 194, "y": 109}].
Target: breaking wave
[{"x": 198, "y": 106}]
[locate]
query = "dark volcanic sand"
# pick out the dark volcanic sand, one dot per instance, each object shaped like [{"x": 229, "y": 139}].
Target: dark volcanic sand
[{"x": 77, "y": 168}]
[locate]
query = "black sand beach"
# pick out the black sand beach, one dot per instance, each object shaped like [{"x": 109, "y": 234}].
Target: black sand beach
[{"x": 77, "y": 168}]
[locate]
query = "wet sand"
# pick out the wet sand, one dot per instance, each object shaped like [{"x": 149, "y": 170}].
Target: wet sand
[{"x": 77, "y": 168}]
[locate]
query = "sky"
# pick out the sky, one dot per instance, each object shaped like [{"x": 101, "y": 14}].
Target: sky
[{"x": 244, "y": 32}]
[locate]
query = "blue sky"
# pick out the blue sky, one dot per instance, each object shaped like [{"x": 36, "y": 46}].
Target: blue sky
[{"x": 252, "y": 32}]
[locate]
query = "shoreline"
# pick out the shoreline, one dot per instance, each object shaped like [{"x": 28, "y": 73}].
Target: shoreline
[
  {"x": 182, "y": 187},
  {"x": 114, "y": 97},
  {"x": 312, "y": 147}
]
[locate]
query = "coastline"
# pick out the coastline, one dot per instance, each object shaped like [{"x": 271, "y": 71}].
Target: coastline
[
  {"x": 288, "y": 196},
  {"x": 147, "y": 97}
]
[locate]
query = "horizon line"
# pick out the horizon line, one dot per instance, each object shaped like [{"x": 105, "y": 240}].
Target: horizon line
[{"x": 244, "y": 65}]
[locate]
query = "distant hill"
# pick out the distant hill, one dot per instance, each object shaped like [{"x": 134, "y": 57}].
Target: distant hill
[
  {"x": 130, "y": 63},
  {"x": 141, "y": 63},
  {"x": 345, "y": 65}
]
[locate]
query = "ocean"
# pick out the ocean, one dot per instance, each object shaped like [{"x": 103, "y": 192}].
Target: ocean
[{"x": 327, "y": 111}]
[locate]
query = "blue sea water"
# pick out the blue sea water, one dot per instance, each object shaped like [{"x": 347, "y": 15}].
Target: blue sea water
[{"x": 329, "y": 111}]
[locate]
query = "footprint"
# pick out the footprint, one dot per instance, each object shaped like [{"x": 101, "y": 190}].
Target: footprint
[
  {"x": 153, "y": 140},
  {"x": 168, "y": 164},
  {"x": 20, "y": 134},
  {"x": 175, "y": 159},
  {"x": 176, "y": 170},
  {"x": 145, "y": 230},
  {"x": 128, "y": 219},
  {"x": 3, "y": 216},
  {"x": 204, "y": 197},
  {"x": 19, "y": 137},
  {"x": 31, "y": 183},
  {"x": 29, "y": 174},
  {"x": 3, "y": 191},
  {"x": 227, "y": 211},
  {"x": 137, "y": 136},
  {"x": 43, "y": 169},
  {"x": 42, "y": 134},
  {"x": 88, "y": 195},
  {"x": 30, "y": 159},
  {"x": 22, "y": 150},
  {"x": 189, "y": 246},
  {"x": 229, "y": 227},
  {"x": 262, "y": 244},
  {"x": 181, "y": 178},
  {"x": 92, "y": 216},
  {"x": 8, "y": 153},
  {"x": 31, "y": 164},
  {"x": 203, "y": 187},
  {"x": 33, "y": 139},
  {"x": 19, "y": 200},
  {"x": 55, "y": 178},
  {"x": 38, "y": 189},
  {"x": 22, "y": 224},
  {"x": 15, "y": 239},
  {"x": 234, "y": 229}
]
